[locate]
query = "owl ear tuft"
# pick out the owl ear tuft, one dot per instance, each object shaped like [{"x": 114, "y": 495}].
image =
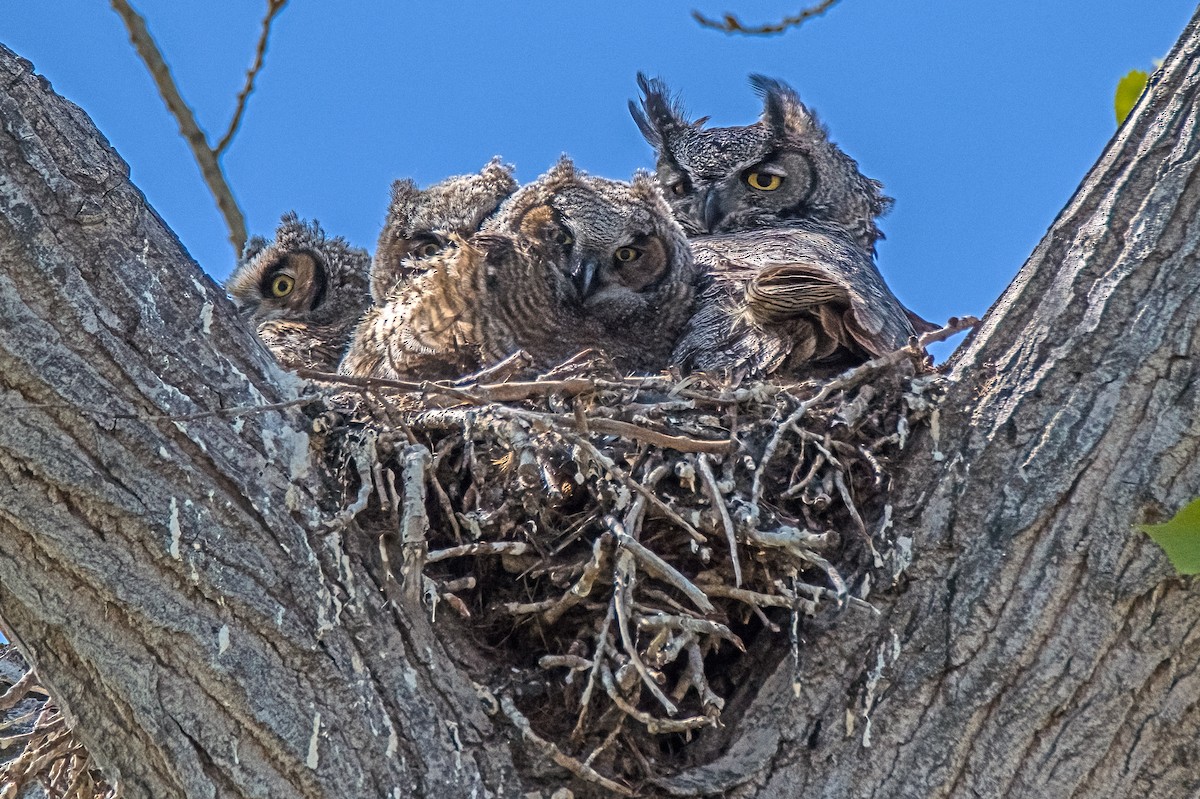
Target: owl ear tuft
[
  {"x": 783, "y": 112},
  {"x": 405, "y": 199},
  {"x": 562, "y": 172},
  {"x": 254, "y": 246},
  {"x": 501, "y": 174},
  {"x": 294, "y": 233},
  {"x": 646, "y": 188},
  {"x": 660, "y": 117}
]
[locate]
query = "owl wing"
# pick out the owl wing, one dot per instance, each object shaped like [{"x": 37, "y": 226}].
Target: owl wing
[{"x": 781, "y": 298}]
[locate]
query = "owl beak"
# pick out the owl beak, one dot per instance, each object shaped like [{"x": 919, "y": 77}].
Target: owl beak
[
  {"x": 712, "y": 210},
  {"x": 584, "y": 277}
]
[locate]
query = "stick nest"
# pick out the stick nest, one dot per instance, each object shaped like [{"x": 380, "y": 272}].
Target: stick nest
[
  {"x": 632, "y": 551},
  {"x": 37, "y": 744}
]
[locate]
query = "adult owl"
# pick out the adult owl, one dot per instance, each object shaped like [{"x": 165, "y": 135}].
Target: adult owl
[
  {"x": 422, "y": 222},
  {"x": 569, "y": 262},
  {"x": 784, "y": 227},
  {"x": 305, "y": 292}
]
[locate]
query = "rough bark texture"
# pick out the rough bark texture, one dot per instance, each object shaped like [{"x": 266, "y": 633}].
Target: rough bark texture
[
  {"x": 216, "y": 646},
  {"x": 173, "y": 581}
]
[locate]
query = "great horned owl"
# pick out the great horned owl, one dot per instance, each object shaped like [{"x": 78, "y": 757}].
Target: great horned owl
[
  {"x": 780, "y": 168},
  {"x": 791, "y": 282},
  {"x": 304, "y": 290},
  {"x": 570, "y": 262},
  {"x": 421, "y": 222}
]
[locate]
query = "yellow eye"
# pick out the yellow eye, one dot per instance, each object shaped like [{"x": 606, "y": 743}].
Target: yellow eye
[
  {"x": 678, "y": 189},
  {"x": 428, "y": 249},
  {"x": 561, "y": 236},
  {"x": 282, "y": 285},
  {"x": 627, "y": 254},
  {"x": 763, "y": 181}
]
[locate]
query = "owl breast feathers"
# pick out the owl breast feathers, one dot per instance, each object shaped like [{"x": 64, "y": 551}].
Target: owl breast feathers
[
  {"x": 304, "y": 291},
  {"x": 570, "y": 262},
  {"x": 422, "y": 222}
]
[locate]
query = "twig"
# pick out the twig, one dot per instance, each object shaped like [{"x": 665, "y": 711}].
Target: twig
[
  {"x": 18, "y": 690},
  {"x": 548, "y": 749},
  {"x": 479, "y": 548},
  {"x": 583, "y": 586},
  {"x": 658, "y": 567},
  {"x": 731, "y": 24},
  {"x": 206, "y": 157},
  {"x": 849, "y": 379},
  {"x": 634, "y": 485},
  {"x": 700, "y": 626},
  {"x": 718, "y": 503},
  {"x": 594, "y": 674},
  {"x": 623, "y": 583},
  {"x": 260, "y": 51},
  {"x": 678, "y": 443},
  {"x": 414, "y": 523},
  {"x": 654, "y": 726}
]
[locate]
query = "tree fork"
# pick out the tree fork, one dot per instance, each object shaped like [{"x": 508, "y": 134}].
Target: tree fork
[{"x": 175, "y": 588}]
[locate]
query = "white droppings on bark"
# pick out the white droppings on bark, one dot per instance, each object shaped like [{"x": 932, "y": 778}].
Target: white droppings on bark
[
  {"x": 410, "y": 677},
  {"x": 935, "y": 432},
  {"x": 176, "y": 531},
  {"x": 206, "y": 311},
  {"x": 223, "y": 639},
  {"x": 312, "y": 759},
  {"x": 393, "y": 744}
]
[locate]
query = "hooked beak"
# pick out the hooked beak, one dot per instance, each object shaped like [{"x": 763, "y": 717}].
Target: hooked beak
[
  {"x": 712, "y": 210},
  {"x": 584, "y": 277}
]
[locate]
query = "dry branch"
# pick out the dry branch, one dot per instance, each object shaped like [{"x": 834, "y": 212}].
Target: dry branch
[
  {"x": 729, "y": 23},
  {"x": 260, "y": 52}
]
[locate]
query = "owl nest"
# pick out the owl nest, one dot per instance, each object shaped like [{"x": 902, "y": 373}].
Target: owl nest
[
  {"x": 37, "y": 745},
  {"x": 630, "y": 549}
]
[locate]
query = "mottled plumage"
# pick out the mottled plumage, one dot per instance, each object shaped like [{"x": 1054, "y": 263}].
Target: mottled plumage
[
  {"x": 570, "y": 262},
  {"x": 421, "y": 222},
  {"x": 720, "y": 180},
  {"x": 795, "y": 300},
  {"x": 304, "y": 291},
  {"x": 784, "y": 226}
]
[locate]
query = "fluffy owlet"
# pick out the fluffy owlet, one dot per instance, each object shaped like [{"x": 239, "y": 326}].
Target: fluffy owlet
[
  {"x": 784, "y": 227},
  {"x": 304, "y": 291},
  {"x": 422, "y": 222},
  {"x": 570, "y": 262}
]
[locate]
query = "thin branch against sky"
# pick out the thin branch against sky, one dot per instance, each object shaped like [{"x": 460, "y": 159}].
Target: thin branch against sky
[
  {"x": 729, "y": 23},
  {"x": 273, "y": 9},
  {"x": 207, "y": 157}
]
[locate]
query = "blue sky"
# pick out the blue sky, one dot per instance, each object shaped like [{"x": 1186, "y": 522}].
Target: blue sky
[{"x": 981, "y": 118}]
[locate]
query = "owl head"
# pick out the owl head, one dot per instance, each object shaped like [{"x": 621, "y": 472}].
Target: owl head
[
  {"x": 782, "y": 167},
  {"x": 300, "y": 276},
  {"x": 421, "y": 222},
  {"x": 617, "y": 252}
]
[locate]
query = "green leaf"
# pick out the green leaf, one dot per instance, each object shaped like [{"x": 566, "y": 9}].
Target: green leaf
[
  {"x": 1129, "y": 89},
  {"x": 1179, "y": 538}
]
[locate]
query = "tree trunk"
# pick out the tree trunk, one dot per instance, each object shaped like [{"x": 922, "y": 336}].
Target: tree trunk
[{"x": 175, "y": 586}]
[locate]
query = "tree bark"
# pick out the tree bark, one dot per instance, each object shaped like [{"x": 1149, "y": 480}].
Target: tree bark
[
  {"x": 174, "y": 582},
  {"x": 179, "y": 590}
]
